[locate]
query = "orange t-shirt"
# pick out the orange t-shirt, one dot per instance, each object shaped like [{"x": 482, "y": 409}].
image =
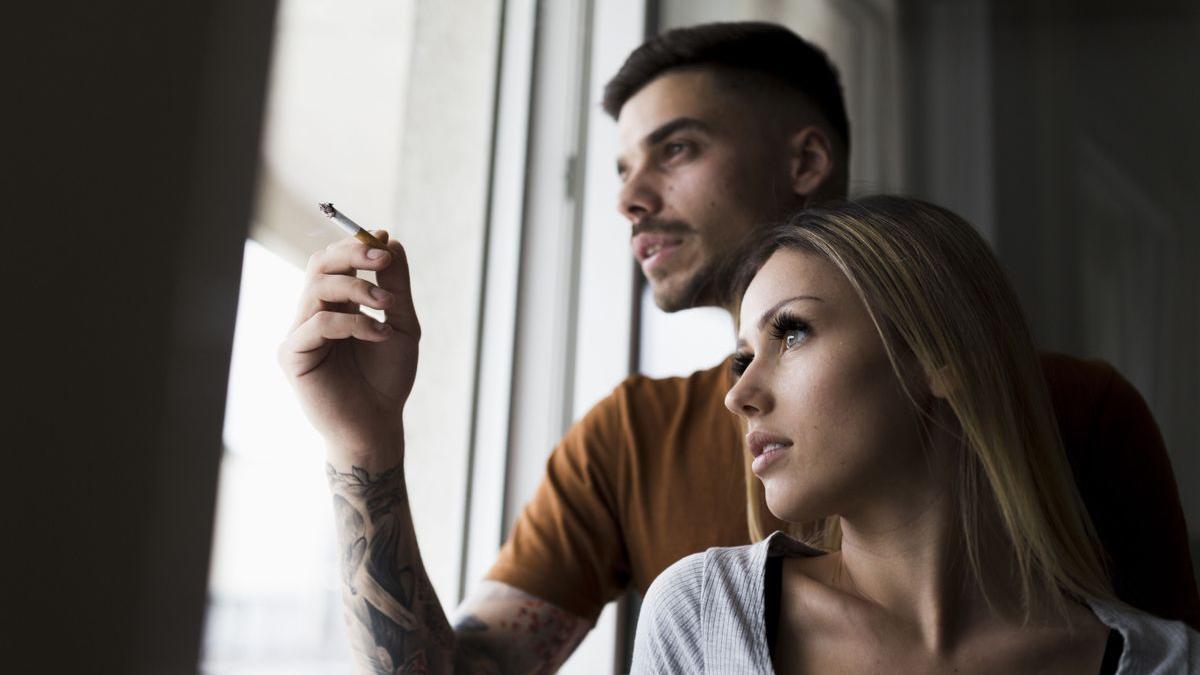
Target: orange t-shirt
[{"x": 655, "y": 472}]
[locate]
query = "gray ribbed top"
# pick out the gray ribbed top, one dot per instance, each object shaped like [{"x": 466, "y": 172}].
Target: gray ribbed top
[{"x": 705, "y": 614}]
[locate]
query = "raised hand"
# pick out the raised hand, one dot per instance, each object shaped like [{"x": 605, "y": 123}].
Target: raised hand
[{"x": 353, "y": 374}]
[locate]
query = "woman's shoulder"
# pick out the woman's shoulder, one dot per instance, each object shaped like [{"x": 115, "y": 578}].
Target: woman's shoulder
[
  {"x": 680, "y": 584},
  {"x": 669, "y": 631},
  {"x": 1151, "y": 644},
  {"x": 682, "y": 589},
  {"x": 714, "y": 569},
  {"x": 705, "y": 595},
  {"x": 672, "y": 623}
]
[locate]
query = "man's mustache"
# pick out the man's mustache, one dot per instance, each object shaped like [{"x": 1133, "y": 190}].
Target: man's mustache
[{"x": 655, "y": 226}]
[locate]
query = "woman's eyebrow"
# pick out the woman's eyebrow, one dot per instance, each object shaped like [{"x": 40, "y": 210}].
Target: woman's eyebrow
[{"x": 767, "y": 315}]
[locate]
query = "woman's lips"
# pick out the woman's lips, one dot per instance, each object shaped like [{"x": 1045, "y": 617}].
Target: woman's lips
[
  {"x": 764, "y": 460},
  {"x": 766, "y": 448}
]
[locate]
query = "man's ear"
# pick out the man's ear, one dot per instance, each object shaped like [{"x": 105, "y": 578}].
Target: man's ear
[{"x": 811, "y": 160}]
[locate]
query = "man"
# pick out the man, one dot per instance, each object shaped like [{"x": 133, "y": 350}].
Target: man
[{"x": 721, "y": 128}]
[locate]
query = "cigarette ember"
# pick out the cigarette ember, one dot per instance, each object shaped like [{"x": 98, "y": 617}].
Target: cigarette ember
[{"x": 327, "y": 209}]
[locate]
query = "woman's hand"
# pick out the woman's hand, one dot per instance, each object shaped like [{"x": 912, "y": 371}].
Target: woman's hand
[{"x": 352, "y": 373}]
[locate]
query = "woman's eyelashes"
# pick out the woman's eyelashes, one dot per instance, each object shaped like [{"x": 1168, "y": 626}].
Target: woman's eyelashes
[
  {"x": 741, "y": 361},
  {"x": 789, "y": 329}
]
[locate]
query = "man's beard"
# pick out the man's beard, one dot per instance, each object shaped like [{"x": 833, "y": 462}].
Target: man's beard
[
  {"x": 713, "y": 283},
  {"x": 697, "y": 291},
  {"x": 701, "y": 289}
]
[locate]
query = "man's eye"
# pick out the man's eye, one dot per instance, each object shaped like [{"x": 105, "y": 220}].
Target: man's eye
[{"x": 674, "y": 148}]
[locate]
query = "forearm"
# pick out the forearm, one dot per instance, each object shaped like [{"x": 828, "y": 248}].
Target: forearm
[
  {"x": 395, "y": 621},
  {"x": 500, "y": 626}
]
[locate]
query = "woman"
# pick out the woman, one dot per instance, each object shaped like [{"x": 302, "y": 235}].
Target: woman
[{"x": 898, "y": 420}]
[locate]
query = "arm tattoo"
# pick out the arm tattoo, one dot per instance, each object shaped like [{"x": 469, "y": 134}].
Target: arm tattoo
[
  {"x": 535, "y": 638},
  {"x": 396, "y": 623}
]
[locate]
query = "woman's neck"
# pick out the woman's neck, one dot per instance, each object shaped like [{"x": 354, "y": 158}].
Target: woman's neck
[{"x": 911, "y": 562}]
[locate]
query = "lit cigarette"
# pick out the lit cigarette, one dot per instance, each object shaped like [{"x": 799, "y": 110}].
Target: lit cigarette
[{"x": 352, "y": 228}]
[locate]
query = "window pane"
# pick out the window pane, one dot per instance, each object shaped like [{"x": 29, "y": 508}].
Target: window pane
[{"x": 274, "y": 605}]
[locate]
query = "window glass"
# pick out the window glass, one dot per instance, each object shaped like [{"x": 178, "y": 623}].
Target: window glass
[{"x": 274, "y": 603}]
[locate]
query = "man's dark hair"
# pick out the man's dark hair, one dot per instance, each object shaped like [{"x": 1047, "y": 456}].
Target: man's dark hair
[{"x": 757, "y": 47}]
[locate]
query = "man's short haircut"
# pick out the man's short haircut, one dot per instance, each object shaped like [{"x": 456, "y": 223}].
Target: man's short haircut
[{"x": 764, "y": 48}]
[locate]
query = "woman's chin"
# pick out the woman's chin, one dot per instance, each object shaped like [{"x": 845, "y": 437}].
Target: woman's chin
[{"x": 786, "y": 505}]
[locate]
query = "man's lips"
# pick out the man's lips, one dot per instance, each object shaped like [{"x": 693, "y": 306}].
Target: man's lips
[{"x": 649, "y": 248}]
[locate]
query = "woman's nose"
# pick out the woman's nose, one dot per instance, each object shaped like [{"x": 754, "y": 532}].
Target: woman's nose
[{"x": 747, "y": 397}]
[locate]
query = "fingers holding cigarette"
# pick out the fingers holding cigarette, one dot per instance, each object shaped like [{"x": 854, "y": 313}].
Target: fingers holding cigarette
[
  {"x": 332, "y": 282},
  {"x": 332, "y": 285},
  {"x": 348, "y": 256},
  {"x": 369, "y": 251}
]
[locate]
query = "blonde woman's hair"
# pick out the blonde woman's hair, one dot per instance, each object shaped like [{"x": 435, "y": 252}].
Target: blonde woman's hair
[{"x": 942, "y": 305}]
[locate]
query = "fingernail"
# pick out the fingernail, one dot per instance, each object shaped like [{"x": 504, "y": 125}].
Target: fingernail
[
  {"x": 375, "y": 253},
  {"x": 380, "y": 294}
]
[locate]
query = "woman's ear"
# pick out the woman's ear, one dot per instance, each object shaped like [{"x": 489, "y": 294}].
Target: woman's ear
[
  {"x": 938, "y": 381},
  {"x": 811, "y": 160}
]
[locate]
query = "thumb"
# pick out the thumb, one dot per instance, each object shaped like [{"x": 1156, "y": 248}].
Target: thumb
[{"x": 401, "y": 315}]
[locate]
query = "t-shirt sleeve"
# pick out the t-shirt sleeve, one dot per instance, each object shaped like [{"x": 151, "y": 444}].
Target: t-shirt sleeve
[
  {"x": 1151, "y": 556},
  {"x": 1125, "y": 478},
  {"x": 566, "y": 546},
  {"x": 669, "y": 635}
]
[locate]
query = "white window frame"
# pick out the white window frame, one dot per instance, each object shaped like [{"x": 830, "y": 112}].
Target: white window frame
[{"x": 557, "y": 304}]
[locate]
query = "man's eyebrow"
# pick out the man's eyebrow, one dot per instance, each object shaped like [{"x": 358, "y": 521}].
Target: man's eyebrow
[
  {"x": 678, "y": 124},
  {"x": 766, "y": 316},
  {"x": 664, "y": 131}
]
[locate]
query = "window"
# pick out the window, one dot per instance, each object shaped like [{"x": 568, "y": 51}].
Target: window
[
  {"x": 356, "y": 114},
  {"x": 274, "y": 605}
]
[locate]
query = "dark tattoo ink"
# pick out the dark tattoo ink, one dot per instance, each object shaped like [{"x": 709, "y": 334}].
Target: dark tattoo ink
[{"x": 396, "y": 623}]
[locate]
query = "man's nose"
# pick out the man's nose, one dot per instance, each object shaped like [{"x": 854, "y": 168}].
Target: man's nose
[{"x": 639, "y": 197}]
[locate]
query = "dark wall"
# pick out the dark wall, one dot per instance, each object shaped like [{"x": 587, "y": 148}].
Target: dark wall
[
  {"x": 1097, "y": 193},
  {"x": 131, "y": 143},
  {"x": 1075, "y": 138}
]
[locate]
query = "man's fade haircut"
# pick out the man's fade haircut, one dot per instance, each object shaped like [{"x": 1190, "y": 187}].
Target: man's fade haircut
[{"x": 753, "y": 46}]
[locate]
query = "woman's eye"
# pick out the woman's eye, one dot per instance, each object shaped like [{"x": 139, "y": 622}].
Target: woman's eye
[{"x": 790, "y": 331}]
